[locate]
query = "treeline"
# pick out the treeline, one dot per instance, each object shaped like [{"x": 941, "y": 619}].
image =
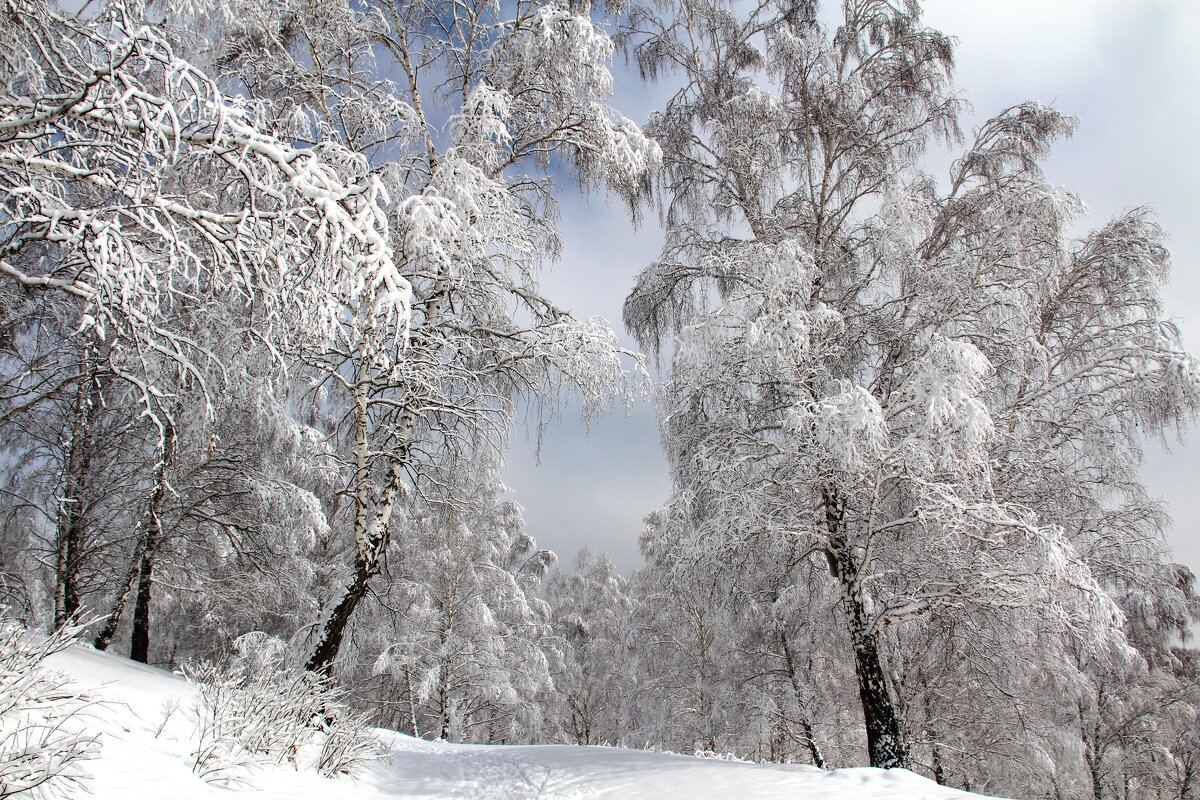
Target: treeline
[{"x": 268, "y": 303}]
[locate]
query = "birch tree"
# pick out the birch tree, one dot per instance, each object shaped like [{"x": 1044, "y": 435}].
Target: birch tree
[
  {"x": 883, "y": 365},
  {"x": 485, "y": 99},
  {"x": 379, "y": 236}
]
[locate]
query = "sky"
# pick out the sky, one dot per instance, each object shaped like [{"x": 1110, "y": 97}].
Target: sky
[{"x": 1129, "y": 69}]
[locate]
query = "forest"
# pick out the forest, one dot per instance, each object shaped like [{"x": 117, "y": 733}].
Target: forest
[{"x": 270, "y": 312}]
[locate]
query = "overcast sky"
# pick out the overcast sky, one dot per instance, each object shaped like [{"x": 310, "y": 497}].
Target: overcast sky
[{"x": 1129, "y": 69}]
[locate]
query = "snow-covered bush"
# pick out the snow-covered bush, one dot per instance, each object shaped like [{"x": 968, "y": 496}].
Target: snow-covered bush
[
  {"x": 256, "y": 709},
  {"x": 41, "y": 751}
]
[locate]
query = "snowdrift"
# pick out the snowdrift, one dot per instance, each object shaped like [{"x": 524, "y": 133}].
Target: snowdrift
[{"x": 146, "y": 720}]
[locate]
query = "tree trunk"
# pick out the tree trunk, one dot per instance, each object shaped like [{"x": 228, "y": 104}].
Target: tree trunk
[
  {"x": 106, "y": 634},
  {"x": 805, "y": 725},
  {"x": 412, "y": 703},
  {"x": 139, "y": 639},
  {"x": 939, "y": 769},
  {"x": 1093, "y": 753},
  {"x": 884, "y": 743},
  {"x": 146, "y": 527},
  {"x": 325, "y": 653},
  {"x": 1189, "y": 776},
  {"x": 371, "y": 533},
  {"x": 71, "y": 515},
  {"x": 444, "y": 705},
  {"x": 1097, "y": 779},
  {"x": 935, "y": 749}
]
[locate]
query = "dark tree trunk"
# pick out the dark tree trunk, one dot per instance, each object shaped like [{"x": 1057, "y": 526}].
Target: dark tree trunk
[
  {"x": 106, "y": 634},
  {"x": 805, "y": 725},
  {"x": 445, "y": 733},
  {"x": 66, "y": 597},
  {"x": 939, "y": 770},
  {"x": 371, "y": 533},
  {"x": 935, "y": 749},
  {"x": 327, "y": 648},
  {"x": 139, "y": 639},
  {"x": 1097, "y": 779},
  {"x": 1189, "y": 776},
  {"x": 72, "y": 517},
  {"x": 1093, "y": 752},
  {"x": 884, "y": 743}
]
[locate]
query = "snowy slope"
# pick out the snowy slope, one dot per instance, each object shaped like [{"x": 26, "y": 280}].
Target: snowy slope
[{"x": 137, "y": 763}]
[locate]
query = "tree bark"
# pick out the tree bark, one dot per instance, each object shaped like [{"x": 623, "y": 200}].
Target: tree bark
[
  {"x": 371, "y": 533},
  {"x": 444, "y": 704},
  {"x": 805, "y": 724},
  {"x": 325, "y": 653},
  {"x": 139, "y": 638},
  {"x": 1092, "y": 752},
  {"x": 884, "y": 742},
  {"x": 146, "y": 526},
  {"x": 72, "y": 518}
]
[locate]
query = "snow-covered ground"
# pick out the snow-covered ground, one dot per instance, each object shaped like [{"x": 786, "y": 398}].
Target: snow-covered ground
[{"x": 141, "y": 757}]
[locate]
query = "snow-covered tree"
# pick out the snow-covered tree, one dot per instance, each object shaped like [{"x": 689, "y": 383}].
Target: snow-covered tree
[
  {"x": 888, "y": 368},
  {"x": 138, "y": 197},
  {"x": 77, "y": 457},
  {"x": 131, "y": 183},
  {"x": 737, "y": 660},
  {"x": 465, "y": 647},
  {"x": 362, "y": 191},
  {"x": 591, "y": 612},
  {"x": 484, "y": 99},
  {"x": 236, "y": 538}
]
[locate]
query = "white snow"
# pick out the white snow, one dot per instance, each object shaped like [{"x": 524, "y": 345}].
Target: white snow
[{"x": 134, "y": 762}]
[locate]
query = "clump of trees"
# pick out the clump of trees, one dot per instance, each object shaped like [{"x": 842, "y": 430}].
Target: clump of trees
[
  {"x": 917, "y": 392},
  {"x": 269, "y": 301},
  {"x": 277, "y": 290}
]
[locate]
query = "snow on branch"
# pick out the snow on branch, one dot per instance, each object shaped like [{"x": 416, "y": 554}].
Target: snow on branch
[{"x": 134, "y": 184}]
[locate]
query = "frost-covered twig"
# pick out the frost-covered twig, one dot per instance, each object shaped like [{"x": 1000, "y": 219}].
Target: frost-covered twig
[{"x": 42, "y": 745}]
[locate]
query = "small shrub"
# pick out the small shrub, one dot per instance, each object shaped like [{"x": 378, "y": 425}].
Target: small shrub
[
  {"x": 256, "y": 709},
  {"x": 347, "y": 747},
  {"x": 42, "y": 744}
]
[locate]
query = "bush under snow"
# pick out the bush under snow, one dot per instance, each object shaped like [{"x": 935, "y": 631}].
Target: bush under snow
[{"x": 42, "y": 744}]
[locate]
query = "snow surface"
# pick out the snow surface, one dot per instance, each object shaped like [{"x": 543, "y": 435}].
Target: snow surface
[{"x": 134, "y": 762}]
